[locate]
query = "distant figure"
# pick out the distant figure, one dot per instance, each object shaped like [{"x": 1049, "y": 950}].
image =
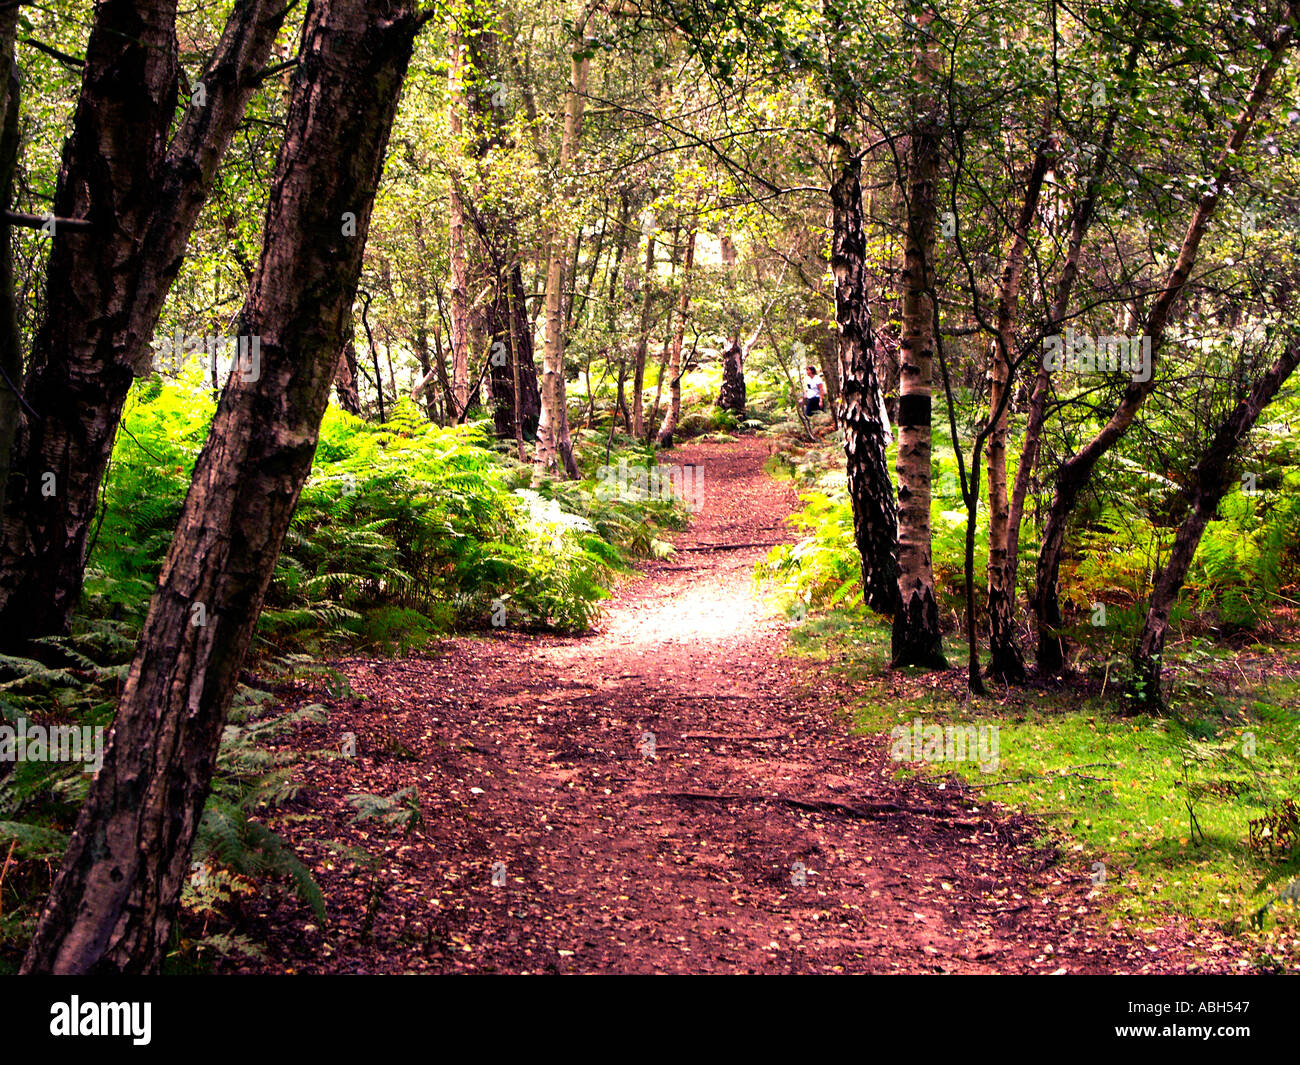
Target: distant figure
[{"x": 814, "y": 388}]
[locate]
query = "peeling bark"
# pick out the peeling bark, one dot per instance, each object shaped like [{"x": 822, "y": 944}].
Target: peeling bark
[{"x": 871, "y": 492}]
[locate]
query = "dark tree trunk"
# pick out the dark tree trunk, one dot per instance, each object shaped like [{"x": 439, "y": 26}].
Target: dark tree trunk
[
  {"x": 1208, "y": 485},
  {"x": 423, "y": 357},
  {"x": 620, "y": 397},
  {"x": 1080, "y": 222},
  {"x": 11, "y": 356},
  {"x": 105, "y": 289},
  {"x": 345, "y": 381},
  {"x": 732, "y": 394},
  {"x": 829, "y": 361},
  {"x": 875, "y": 515},
  {"x": 511, "y": 330},
  {"x": 116, "y": 894}
]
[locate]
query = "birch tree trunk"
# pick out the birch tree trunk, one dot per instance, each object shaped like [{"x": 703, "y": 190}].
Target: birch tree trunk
[
  {"x": 875, "y": 514},
  {"x": 917, "y": 640}
]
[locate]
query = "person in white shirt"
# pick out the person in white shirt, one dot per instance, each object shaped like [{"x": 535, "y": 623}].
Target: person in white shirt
[{"x": 814, "y": 391}]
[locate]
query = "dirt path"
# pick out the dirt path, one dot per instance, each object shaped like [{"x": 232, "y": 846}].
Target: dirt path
[{"x": 760, "y": 837}]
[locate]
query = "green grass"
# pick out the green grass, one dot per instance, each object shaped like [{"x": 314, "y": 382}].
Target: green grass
[{"x": 1117, "y": 790}]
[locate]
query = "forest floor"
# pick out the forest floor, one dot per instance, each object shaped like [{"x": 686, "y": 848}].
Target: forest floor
[{"x": 759, "y": 835}]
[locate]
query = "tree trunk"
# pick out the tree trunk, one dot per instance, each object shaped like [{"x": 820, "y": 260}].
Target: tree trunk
[
  {"x": 513, "y": 374},
  {"x": 663, "y": 369},
  {"x": 1077, "y": 470},
  {"x": 345, "y": 380},
  {"x": 11, "y": 356},
  {"x": 458, "y": 302},
  {"x": 1006, "y": 662},
  {"x": 731, "y": 396},
  {"x": 828, "y": 358},
  {"x": 423, "y": 355},
  {"x": 554, "y": 450},
  {"x": 674, "y": 413},
  {"x": 1080, "y": 222},
  {"x": 643, "y": 340},
  {"x": 875, "y": 514},
  {"x": 517, "y": 348},
  {"x": 116, "y": 894},
  {"x": 1208, "y": 485},
  {"x": 917, "y": 640},
  {"x": 105, "y": 289},
  {"x": 374, "y": 358}
]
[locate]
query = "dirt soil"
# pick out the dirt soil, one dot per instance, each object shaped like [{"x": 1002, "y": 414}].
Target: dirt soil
[{"x": 670, "y": 793}]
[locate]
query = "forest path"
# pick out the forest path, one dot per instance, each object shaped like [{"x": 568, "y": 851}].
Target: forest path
[{"x": 530, "y": 751}]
